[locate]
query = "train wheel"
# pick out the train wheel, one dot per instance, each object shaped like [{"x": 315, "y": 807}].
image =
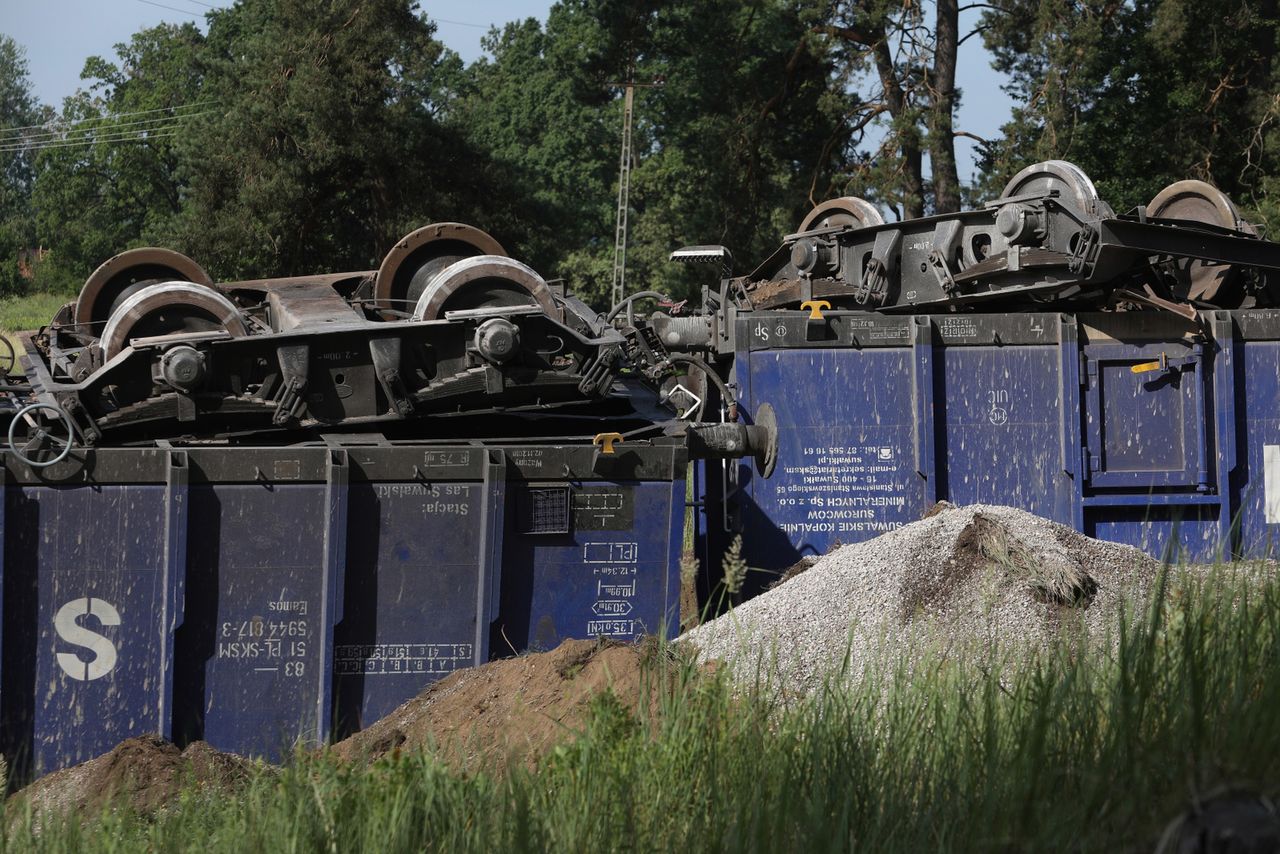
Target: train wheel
[
  {"x": 127, "y": 273},
  {"x": 1200, "y": 201},
  {"x": 485, "y": 281},
  {"x": 421, "y": 255},
  {"x": 1072, "y": 184},
  {"x": 167, "y": 309},
  {"x": 849, "y": 211}
]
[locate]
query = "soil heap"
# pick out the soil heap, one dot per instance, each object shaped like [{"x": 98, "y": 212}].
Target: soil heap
[
  {"x": 144, "y": 773},
  {"x": 513, "y": 709}
]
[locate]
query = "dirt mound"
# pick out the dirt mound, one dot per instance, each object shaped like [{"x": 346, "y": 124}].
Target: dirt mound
[
  {"x": 513, "y": 709},
  {"x": 968, "y": 577},
  {"x": 144, "y": 773}
]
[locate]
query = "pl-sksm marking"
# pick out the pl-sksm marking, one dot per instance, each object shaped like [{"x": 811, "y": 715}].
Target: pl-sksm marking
[{"x": 610, "y": 552}]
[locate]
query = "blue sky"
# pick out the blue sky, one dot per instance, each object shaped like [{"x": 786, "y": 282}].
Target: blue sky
[{"x": 60, "y": 34}]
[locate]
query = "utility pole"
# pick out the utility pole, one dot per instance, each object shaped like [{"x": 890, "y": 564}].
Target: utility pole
[{"x": 624, "y": 184}]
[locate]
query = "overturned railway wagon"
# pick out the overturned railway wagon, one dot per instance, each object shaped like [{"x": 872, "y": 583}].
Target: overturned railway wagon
[
  {"x": 1135, "y": 427},
  {"x": 1118, "y": 374},
  {"x": 265, "y": 512}
]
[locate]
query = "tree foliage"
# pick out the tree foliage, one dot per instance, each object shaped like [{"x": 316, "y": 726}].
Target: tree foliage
[
  {"x": 906, "y": 65},
  {"x": 324, "y": 137},
  {"x": 538, "y": 111},
  {"x": 741, "y": 138},
  {"x": 1141, "y": 94},
  {"x": 302, "y": 136},
  {"x": 730, "y": 148},
  {"x": 18, "y": 112},
  {"x": 108, "y": 166}
]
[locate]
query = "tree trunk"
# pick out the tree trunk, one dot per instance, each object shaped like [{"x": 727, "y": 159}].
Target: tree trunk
[
  {"x": 942, "y": 141},
  {"x": 908, "y": 138}
]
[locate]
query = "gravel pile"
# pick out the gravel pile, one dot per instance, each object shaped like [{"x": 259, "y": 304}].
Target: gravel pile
[{"x": 964, "y": 578}]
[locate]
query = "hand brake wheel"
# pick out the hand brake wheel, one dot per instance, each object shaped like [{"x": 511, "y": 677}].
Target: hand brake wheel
[{"x": 41, "y": 435}]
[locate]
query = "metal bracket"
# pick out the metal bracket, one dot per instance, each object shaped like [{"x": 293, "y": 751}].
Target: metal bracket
[
  {"x": 873, "y": 289},
  {"x": 604, "y": 456},
  {"x": 82, "y": 419},
  {"x": 294, "y": 361},
  {"x": 1085, "y": 252},
  {"x": 945, "y": 239},
  {"x": 386, "y": 363},
  {"x": 815, "y": 307},
  {"x": 816, "y": 325},
  {"x": 597, "y": 375},
  {"x": 606, "y": 441}
]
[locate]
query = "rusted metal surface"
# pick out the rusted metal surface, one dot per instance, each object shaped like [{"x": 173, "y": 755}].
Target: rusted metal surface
[
  {"x": 275, "y": 359},
  {"x": 411, "y": 264},
  {"x": 129, "y": 271},
  {"x": 449, "y": 324},
  {"x": 1048, "y": 241}
]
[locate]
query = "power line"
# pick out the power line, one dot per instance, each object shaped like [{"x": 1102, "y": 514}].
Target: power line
[
  {"x": 90, "y": 140},
  {"x": 106, "y": 125},
  {"x": 117, "y": 115},
  {"x": 89, "y": 144},
  {"x": 171, "y": 8},
  {"x": 131, "y": 139},
  {"x": 110, "y": 137},
  {"x": 462, "y": 23},
  {"x": 159, "y": 133}
]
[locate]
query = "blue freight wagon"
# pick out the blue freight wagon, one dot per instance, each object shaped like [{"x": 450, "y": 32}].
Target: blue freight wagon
[
  {"x": 262, "y": 597},
  {"x": 1144, "y": 428}
]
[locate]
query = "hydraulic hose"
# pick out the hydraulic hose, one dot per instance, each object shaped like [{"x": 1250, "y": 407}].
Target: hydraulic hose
[
  {"x": 725, "y": 394},
  {"x": 628, "y": 302}
]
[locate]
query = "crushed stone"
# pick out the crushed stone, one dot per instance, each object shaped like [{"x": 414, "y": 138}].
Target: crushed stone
[{"x": 969, "y": 578}]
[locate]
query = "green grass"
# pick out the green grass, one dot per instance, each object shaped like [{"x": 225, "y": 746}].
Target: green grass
[
  {"x": 1065, "y": 751},
  {"x": 23, "y": 314}
]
